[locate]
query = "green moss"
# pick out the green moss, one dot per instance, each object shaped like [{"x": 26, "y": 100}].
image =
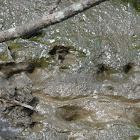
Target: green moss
[
  {"x": 137, "y": 5},
  {"x": 135, "y": 137},
  {"x": 80, "y": 53},
  {"x": 40, "y": 62},
  {"x": 137, "y": 47},
  {"x": 5, "y": 56},
  {"x": 138, "y": 125},
  {"x": 13, "y": 45},
  {"x": 64, "y": 68},
  {"x": 36, "y": 36},
  {"x": 71, "y": 138},
  {"x": 133, "y": 3}
]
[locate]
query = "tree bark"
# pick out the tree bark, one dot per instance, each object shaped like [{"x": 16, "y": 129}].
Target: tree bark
[{"x": 47, "y": 20}]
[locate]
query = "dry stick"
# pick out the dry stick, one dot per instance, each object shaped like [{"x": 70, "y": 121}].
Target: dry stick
[
  {"x": 14, "y": 102},
  {"x": 47, "y": 20}
]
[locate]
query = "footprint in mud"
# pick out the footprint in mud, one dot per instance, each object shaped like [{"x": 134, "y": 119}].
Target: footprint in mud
[
  {"x": 71, "y": 113},
  {"x": 12, "y": 68},
  {"x": 59, "y": 52},
  {"x": 128, "y": 67},
  {"x": 62, "y": 54}
]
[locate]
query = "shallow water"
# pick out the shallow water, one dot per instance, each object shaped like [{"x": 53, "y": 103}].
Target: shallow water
[{"x": 94, "y": 92}]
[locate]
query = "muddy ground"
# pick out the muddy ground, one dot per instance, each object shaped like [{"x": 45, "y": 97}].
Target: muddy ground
[{"x": 79, "y": 79}]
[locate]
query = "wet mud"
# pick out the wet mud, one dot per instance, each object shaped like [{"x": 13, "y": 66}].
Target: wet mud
[
  {"x": 72, "y": 80},
  {"x": 69, "y": 102}
]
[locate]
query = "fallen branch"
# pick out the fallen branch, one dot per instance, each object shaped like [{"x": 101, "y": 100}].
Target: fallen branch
[
  {"x": 47, "y": 20},
  {"x": 14, "y": 102}
]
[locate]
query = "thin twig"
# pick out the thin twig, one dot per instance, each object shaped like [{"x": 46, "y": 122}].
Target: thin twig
[{"x": 14, "y": 102}]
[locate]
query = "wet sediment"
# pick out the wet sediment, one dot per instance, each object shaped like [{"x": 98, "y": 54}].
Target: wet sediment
[{"x": 74, "y": 80}]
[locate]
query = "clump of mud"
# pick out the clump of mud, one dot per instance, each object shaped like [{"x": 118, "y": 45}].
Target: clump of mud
[
  {"x": 19, "y": 116},
  {"x": 18, "y": 101}
]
